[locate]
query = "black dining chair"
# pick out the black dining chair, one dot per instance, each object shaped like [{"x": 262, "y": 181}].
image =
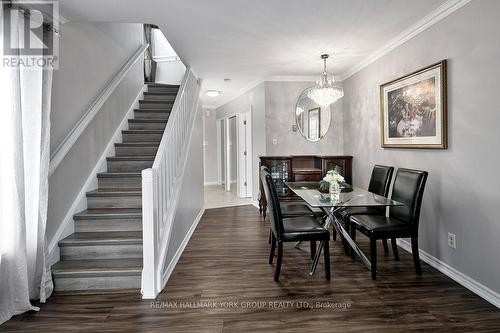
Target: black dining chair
[
  {"x": 380, "y": 182},
  {"x": 292, "y": 229},
  {"x": 402, "y": 221},
  {"x": 292, "y": 209}
]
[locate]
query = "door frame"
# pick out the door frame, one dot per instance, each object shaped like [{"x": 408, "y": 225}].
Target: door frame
[
  {"x": 220, "y": 127},
  {"x": 224, "y": 121}
]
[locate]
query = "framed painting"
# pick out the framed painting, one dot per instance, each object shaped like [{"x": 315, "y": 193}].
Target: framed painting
[{"x": 413, "y": 109}]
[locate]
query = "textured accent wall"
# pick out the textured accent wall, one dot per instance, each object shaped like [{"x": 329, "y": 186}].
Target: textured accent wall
[{"x": 462, "y": 193}]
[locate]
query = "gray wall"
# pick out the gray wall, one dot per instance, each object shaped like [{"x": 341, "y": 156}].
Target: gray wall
[
  {"x": 462, "y": 193},
  {"x": 210, "y": 145},
  {"x": 281, "y": 98},
  {"x": 191, "y": 200},
  {"x": 254, "y": 99},
  {"x": 91, "y": 54}
]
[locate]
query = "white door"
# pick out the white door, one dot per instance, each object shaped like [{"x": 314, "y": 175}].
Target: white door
[{"x": 244, "y": 154}]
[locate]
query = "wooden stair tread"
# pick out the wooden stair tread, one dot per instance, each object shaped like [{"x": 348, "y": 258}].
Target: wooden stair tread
[
  {"x": 111, "y": 192},
  {"x": 102, "y": 238},
  {"x": 148, "y": 120},
  {"x": 142, "y": 131},
  {"x": 110, "y": 213},
  {"x": 118, "y": 174},
  {"x": 131, "y": 158},
  {"x": 98, "y": 267},
  {"x": 166, "y": 85},
  {"x": 152, "y": 110}
]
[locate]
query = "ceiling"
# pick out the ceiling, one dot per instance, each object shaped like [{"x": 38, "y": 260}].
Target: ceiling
[{"x": 248, "y": 41}]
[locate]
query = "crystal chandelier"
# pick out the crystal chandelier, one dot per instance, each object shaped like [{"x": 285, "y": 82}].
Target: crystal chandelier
[{"x": 325, "y": 92}]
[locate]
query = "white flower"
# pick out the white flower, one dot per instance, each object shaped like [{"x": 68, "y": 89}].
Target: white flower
[{"x": 333, "y": 176}]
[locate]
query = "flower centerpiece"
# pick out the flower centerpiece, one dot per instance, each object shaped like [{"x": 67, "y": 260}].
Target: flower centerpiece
[{"x": 332, "y": 181}]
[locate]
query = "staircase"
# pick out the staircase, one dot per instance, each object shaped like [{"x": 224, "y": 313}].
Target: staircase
[{"x": 105, "y": 252}]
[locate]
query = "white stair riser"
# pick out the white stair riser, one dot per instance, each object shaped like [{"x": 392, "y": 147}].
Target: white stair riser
[
  {"x": 128, "y": 166},
  {"x": 101, "y": 282},
  {"x": 114, "y": 202},
  {"x": 110, "y": 183},
  {"x": 141, "y": 137},
  {"x": 103, "y": 225},
  {"x": 82, "y": 252}
]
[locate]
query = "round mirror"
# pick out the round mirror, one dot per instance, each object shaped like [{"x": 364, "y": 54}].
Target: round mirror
[{"x": 313, "y": 120}]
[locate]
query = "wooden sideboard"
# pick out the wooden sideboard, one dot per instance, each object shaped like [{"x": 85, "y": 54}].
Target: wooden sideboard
[{"x": 300, "y": 168}]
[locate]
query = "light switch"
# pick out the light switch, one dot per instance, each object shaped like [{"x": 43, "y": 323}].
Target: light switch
[{"x": 275, "y": 142}]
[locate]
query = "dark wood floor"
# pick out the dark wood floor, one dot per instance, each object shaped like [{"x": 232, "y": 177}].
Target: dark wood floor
[{"x": 226, "y": 261}]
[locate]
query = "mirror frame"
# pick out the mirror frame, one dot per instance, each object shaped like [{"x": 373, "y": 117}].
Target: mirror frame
[{"x": 304, "y": 92}]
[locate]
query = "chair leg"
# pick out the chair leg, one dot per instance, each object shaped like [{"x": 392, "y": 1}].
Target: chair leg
[
  {"x": 273, "y": 247},
  {"x": 278, "y": 263},
  {"x": 416, "y": 258},
  {"x": 313, "y": 249},
  {"x": 353, "y": 237},
  {"x": 373, "y": 256},
  {"x": 386, "y": 247},
  {"x": 326, "y": 253},
  {"x": 334, "y": 234},
  {"x": 395, "y": 249},
  {"x": 270, "y": 236}
]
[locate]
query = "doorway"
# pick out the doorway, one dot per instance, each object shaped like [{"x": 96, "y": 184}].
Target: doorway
[{"x": 234, "y": 162}]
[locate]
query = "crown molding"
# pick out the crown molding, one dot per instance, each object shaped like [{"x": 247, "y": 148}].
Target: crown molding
[
  {"x": 209, "y": 106},
  {"x": 427, "y": 21}
]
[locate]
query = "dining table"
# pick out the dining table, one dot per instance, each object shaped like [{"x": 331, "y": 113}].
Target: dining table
[{"x": 333, "y": 205}]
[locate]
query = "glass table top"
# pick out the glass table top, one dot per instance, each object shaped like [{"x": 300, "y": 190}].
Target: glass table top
[{"x": 350, "y": 196}]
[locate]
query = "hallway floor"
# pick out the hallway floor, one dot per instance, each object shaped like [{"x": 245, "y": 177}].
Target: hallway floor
[
  {"x": 223, "y": 283},
  {"x": 216, "y": 196}
]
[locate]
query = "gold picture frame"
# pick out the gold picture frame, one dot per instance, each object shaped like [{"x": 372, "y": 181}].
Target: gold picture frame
[{"x": 413, "y": 110}]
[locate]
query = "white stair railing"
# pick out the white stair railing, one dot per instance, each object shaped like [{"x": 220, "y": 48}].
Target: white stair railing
[{"x": 161, "y": 184}]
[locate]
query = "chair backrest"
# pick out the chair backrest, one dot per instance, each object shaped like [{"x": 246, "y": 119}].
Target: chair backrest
[
  {"x": 264, "y": 168},
  {"x": 275, "y": 215},
  {"x": 408, "y": 189},
  {"x": 380, "y": 180}
]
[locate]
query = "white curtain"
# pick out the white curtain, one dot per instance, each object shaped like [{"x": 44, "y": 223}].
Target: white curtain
[{"x": 24, "y": 162}]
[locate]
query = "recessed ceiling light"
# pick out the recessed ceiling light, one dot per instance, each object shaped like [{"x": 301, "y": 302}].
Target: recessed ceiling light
[{"x": 212, "y": 93}]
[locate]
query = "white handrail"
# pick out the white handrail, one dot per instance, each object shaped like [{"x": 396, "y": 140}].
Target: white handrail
[
  {"x": 162, "y": 182},
  {"x": 58, "y": 155}
]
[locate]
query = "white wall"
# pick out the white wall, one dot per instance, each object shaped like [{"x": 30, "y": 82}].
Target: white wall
[
  {"x": 169, "y": 68},
  {"x": 253, "y": 99},
  {"x": 90, "y": 56},
  {"x": 281, "y": 98},
  {"x": 210, "y": 146},
  {"x": 462, "y": 193}
]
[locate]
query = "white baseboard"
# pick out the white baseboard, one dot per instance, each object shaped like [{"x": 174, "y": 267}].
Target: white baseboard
[
  {"x": 466, "y": 281},
  {"x": 180, "y": 250},
  {"x": 255, "y": 203},
  {"x": 67, "y": 226},
  {"x": 211, "y": 183}
]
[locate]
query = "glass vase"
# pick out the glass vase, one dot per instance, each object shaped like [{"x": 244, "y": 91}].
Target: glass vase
[{"x": 335, "y": 191}]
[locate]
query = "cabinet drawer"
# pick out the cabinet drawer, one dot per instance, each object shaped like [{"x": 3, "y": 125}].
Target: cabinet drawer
[{"x": 306, "y": 177}]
